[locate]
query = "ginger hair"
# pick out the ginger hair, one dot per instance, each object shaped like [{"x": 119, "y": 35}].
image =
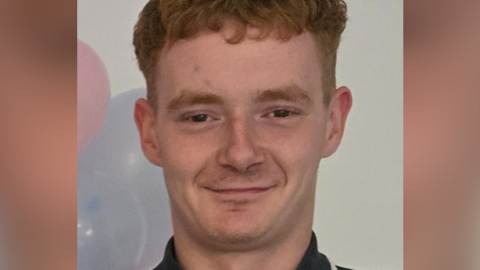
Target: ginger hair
[{"x": 163, "y": 22}]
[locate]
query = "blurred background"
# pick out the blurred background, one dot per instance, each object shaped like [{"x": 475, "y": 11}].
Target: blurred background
[
  {"x": 38, "y": 163},
  {"x": 442, "y": 132},
  {"x": 359, "y": 211}
]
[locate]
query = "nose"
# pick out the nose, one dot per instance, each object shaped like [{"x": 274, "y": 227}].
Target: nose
[{"x": 240, "y": 151}]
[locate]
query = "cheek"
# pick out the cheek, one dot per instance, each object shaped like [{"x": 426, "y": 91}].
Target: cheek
[
  {"x": 298, "y": 151},
  {"x": 184, "y": 156}
]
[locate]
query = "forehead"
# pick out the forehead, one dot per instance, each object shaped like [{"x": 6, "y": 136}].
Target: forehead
[{"x": 209, "y": 62}]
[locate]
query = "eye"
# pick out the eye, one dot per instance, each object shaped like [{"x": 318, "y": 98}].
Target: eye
[
  {"x": 280, "y": 113},
  {"x": 200, "y": 118}
]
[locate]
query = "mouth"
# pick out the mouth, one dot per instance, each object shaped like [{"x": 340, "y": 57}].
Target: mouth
[
  {"x": 233, "y": 191},
  {"x": 239, "y": 199},
  {"x": 237, "y": 194}
]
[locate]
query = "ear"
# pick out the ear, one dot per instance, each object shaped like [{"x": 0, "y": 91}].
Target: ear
[
  {"x": 337, "y": 117},
  {"x": 145, "y": 121}
]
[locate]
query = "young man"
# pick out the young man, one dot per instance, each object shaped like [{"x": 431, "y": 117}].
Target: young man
[{"x": 242, "y": 106}]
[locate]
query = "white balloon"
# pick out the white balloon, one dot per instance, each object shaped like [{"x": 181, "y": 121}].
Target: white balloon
[
  {"x": 111, "y": 226},
  {"x": 115, "y": 160}
]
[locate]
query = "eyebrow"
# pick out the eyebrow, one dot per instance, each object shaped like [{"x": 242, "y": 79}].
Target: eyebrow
[
  {"x": 292, "y": 93},
  {"x": 188, "y": 98}
]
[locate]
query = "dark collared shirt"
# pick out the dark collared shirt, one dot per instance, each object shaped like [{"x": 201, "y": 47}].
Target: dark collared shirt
[{"x": 312, "y": 260}]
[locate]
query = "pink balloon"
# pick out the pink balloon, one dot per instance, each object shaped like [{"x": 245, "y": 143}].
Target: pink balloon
[{"x": 93, "y": 94}]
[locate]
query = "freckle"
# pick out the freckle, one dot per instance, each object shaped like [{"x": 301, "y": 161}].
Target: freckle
[
  {"x": 207, "y": 82},
  {"x": 197, "y": 68}
]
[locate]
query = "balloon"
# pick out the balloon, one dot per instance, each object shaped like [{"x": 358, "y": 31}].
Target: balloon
[
  {"x": 115, "y": 153},
  {"x": 93, "y": 94},
  {"x": 111, "y": 230}
]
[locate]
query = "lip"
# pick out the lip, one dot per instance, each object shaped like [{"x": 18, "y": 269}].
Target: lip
[
  {"x": 252, "y": 190},
  {"x": 240, "y": 193}
]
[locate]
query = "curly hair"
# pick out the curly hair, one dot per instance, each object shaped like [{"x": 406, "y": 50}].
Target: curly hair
[{"x": 163, "y": 22}]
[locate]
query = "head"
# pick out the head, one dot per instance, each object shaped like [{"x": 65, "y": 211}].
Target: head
[
  {"x": 242, "y": 105},
  {"x": 162, "y": 23}
]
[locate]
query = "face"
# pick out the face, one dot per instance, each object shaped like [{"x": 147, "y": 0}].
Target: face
[
  {"x": 38, "y": 124},
  {"x": 239, "y": 131},
  {"x": 442, "y": 151}
]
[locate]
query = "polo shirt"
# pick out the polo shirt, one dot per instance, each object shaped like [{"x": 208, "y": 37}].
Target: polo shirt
[{"x": 312, "y": 260}]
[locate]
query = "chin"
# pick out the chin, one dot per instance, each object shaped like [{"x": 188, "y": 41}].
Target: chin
[{"x": 236, "y": 234}]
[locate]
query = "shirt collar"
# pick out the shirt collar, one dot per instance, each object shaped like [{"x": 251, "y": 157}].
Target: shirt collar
[{"x": 312, "y": 260}]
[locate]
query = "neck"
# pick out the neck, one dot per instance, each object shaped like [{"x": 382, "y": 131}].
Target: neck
[{"x": 283, "y": 253}]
